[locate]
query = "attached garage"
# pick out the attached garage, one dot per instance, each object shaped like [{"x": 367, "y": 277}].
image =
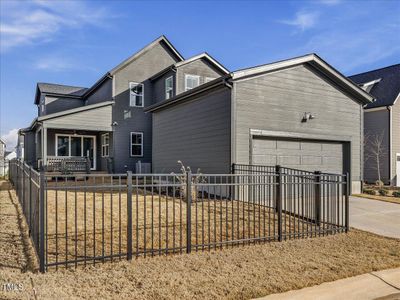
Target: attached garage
[
  {"x": 262, "y": 115},
  {"x": 310, "y": 155}
]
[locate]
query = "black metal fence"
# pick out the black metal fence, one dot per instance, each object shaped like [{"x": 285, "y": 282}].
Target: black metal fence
[{"x": 91, "y": 218}]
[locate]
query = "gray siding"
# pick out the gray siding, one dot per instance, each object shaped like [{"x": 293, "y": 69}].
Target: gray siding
[
  {"x": 277, "y": 102},
  {"x": 199, "y": 67},
  {"x": 93, "y": 119},
  {"x": 395, "y": 138},
  {"x": 101, "y": 94},
  {"x": 158, "y": 92},
  {"x": 131, "y": 119},
  {"x": 375, "y": 124},
  {"x": 195, "y": 132},
  {"x": 54, "y": 104}
]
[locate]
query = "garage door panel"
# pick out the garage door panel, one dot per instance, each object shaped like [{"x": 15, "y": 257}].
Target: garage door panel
[
  {"x": 311, "y": 146},
  {"x": 289, "y": 160},
  {"x": 304, "y": 154},
  {"x": 265, "y": 159},
  {"x": 288, "y": 145},
  {"x": 311, "y": 160}
]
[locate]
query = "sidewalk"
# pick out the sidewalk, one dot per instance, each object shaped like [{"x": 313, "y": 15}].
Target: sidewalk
[{"x": 376, "y": 285}]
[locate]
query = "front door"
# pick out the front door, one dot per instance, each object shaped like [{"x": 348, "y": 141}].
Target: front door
[{"x": 398, "y": 169}]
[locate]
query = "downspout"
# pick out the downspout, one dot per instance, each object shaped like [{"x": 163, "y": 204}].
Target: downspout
[{"x": 389, "y": 108}]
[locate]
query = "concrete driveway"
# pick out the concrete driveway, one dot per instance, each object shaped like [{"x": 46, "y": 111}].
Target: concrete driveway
[{"x": 375, "y": 216}]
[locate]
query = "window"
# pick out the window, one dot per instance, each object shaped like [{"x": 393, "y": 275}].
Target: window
[
  {"x": 105, "y": 145},
  {"x": 208, "y": 79},
  {"x": 169, "y": 87},
  {"x": 136, "y": 143},
  {"x": 136, "y": 92},
  {"x": 63, "y": 146},
  {"x": 191, "y": 81}
]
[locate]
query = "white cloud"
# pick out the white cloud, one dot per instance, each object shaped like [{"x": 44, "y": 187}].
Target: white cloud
[
  {"x": 349, "y": 50},
  {"x": 10, "y": 138},
  {"x": 24, "y": 22},
  {"x": 59, "y": 63},
  {"x": 303, "y": 20},
  {"x": 330, "y": 2}
]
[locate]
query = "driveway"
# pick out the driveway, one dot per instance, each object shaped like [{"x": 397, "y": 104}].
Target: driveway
[{"x": 375, "y": 216}]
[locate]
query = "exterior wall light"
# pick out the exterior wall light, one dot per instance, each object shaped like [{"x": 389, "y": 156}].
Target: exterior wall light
[{"x": 307, "y": 116}]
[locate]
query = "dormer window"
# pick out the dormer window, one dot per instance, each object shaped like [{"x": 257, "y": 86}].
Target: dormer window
[
  {"x": 136, "y": 94},
  {"x": 369, "y": 85},
  {"x": 191, "y": 81}
]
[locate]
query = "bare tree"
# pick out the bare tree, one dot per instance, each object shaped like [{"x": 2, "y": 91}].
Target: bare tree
[{"x": 375, "y": 151}]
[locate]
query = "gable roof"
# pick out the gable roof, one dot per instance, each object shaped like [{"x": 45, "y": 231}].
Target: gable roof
[
  {"x": 385, "y": 84},
  {"x": 203, "y": 55},
  {"x": 162, "y": 39},
  {"x": 318, "y": 64},
  {"x": 68, "y": 91},
  {"x": 311, "y": 59},
  {"x": 59, "y": 90}
]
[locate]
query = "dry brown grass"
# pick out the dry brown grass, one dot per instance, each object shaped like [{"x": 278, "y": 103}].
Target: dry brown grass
[
  {"x": 96, "y": 224},
  {"x": 234, "y": 273}
]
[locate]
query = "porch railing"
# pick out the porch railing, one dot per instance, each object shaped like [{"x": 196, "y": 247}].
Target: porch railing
[{"x": 68, "y": 165}]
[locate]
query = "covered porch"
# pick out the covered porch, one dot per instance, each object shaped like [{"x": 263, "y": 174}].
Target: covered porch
[{"x": 77, "y": 140}]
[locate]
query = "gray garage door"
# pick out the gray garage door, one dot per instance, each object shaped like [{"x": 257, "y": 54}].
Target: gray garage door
[{"x": 299, "y": 154}]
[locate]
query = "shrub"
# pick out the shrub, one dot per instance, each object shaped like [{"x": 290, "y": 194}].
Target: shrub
[
  {"x": 396, "y": 194},
  {"x": 379, "y": 183},
  {"x": 369, "y": 192},
  {"x": 383, "y": 192}
]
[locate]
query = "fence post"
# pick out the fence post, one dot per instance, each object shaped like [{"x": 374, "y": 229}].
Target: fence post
[
  {"x": 189, "y": 212},
  {"x": 347, "y": 216},
  {"x": 129, "y": 208},
  {"x": 317, "y": 194},
  {"x": 278, "y": 200},
  {"x": 42, "y": 222}
]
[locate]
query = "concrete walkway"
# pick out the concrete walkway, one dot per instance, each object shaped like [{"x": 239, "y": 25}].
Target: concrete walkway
[
  {"x": 375, "y": 216},
  {"x": 376, "y": 285}
]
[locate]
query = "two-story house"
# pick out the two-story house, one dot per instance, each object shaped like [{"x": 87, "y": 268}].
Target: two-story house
[
  {"x": 157, "y": 108},
  {"x": 382, "y": 124},
  {"x": 106, "y": 122}
]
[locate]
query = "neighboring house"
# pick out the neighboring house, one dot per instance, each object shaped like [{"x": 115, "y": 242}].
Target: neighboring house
[
  {"x": 299, "y": 113},
  {"x": 107, "y": 122},
  {"x": 382, "y": 123},
  {"x": 3, "y": 163},
  {"x": 157, "y": 108},
  {"x": 2, "y": 149}
]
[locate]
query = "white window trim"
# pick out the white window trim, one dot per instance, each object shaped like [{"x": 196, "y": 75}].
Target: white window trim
[
  {"x": 172, "y": 87},
  {"x": 69, "y": 145},
  {"x": 193, "y": 76},
  {"x": 103, "y": 146},
  {"x": 141, "y": 145},
  {"x": 130, "y": 95}
]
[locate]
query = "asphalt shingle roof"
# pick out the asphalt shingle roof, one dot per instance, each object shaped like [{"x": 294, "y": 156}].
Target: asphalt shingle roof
[
  {"x": 387, "y": 89},
  {"x": 61, "y": 89}
]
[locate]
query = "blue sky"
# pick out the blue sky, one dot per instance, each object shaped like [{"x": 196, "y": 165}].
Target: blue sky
[{"x": 76, "y": 42}]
